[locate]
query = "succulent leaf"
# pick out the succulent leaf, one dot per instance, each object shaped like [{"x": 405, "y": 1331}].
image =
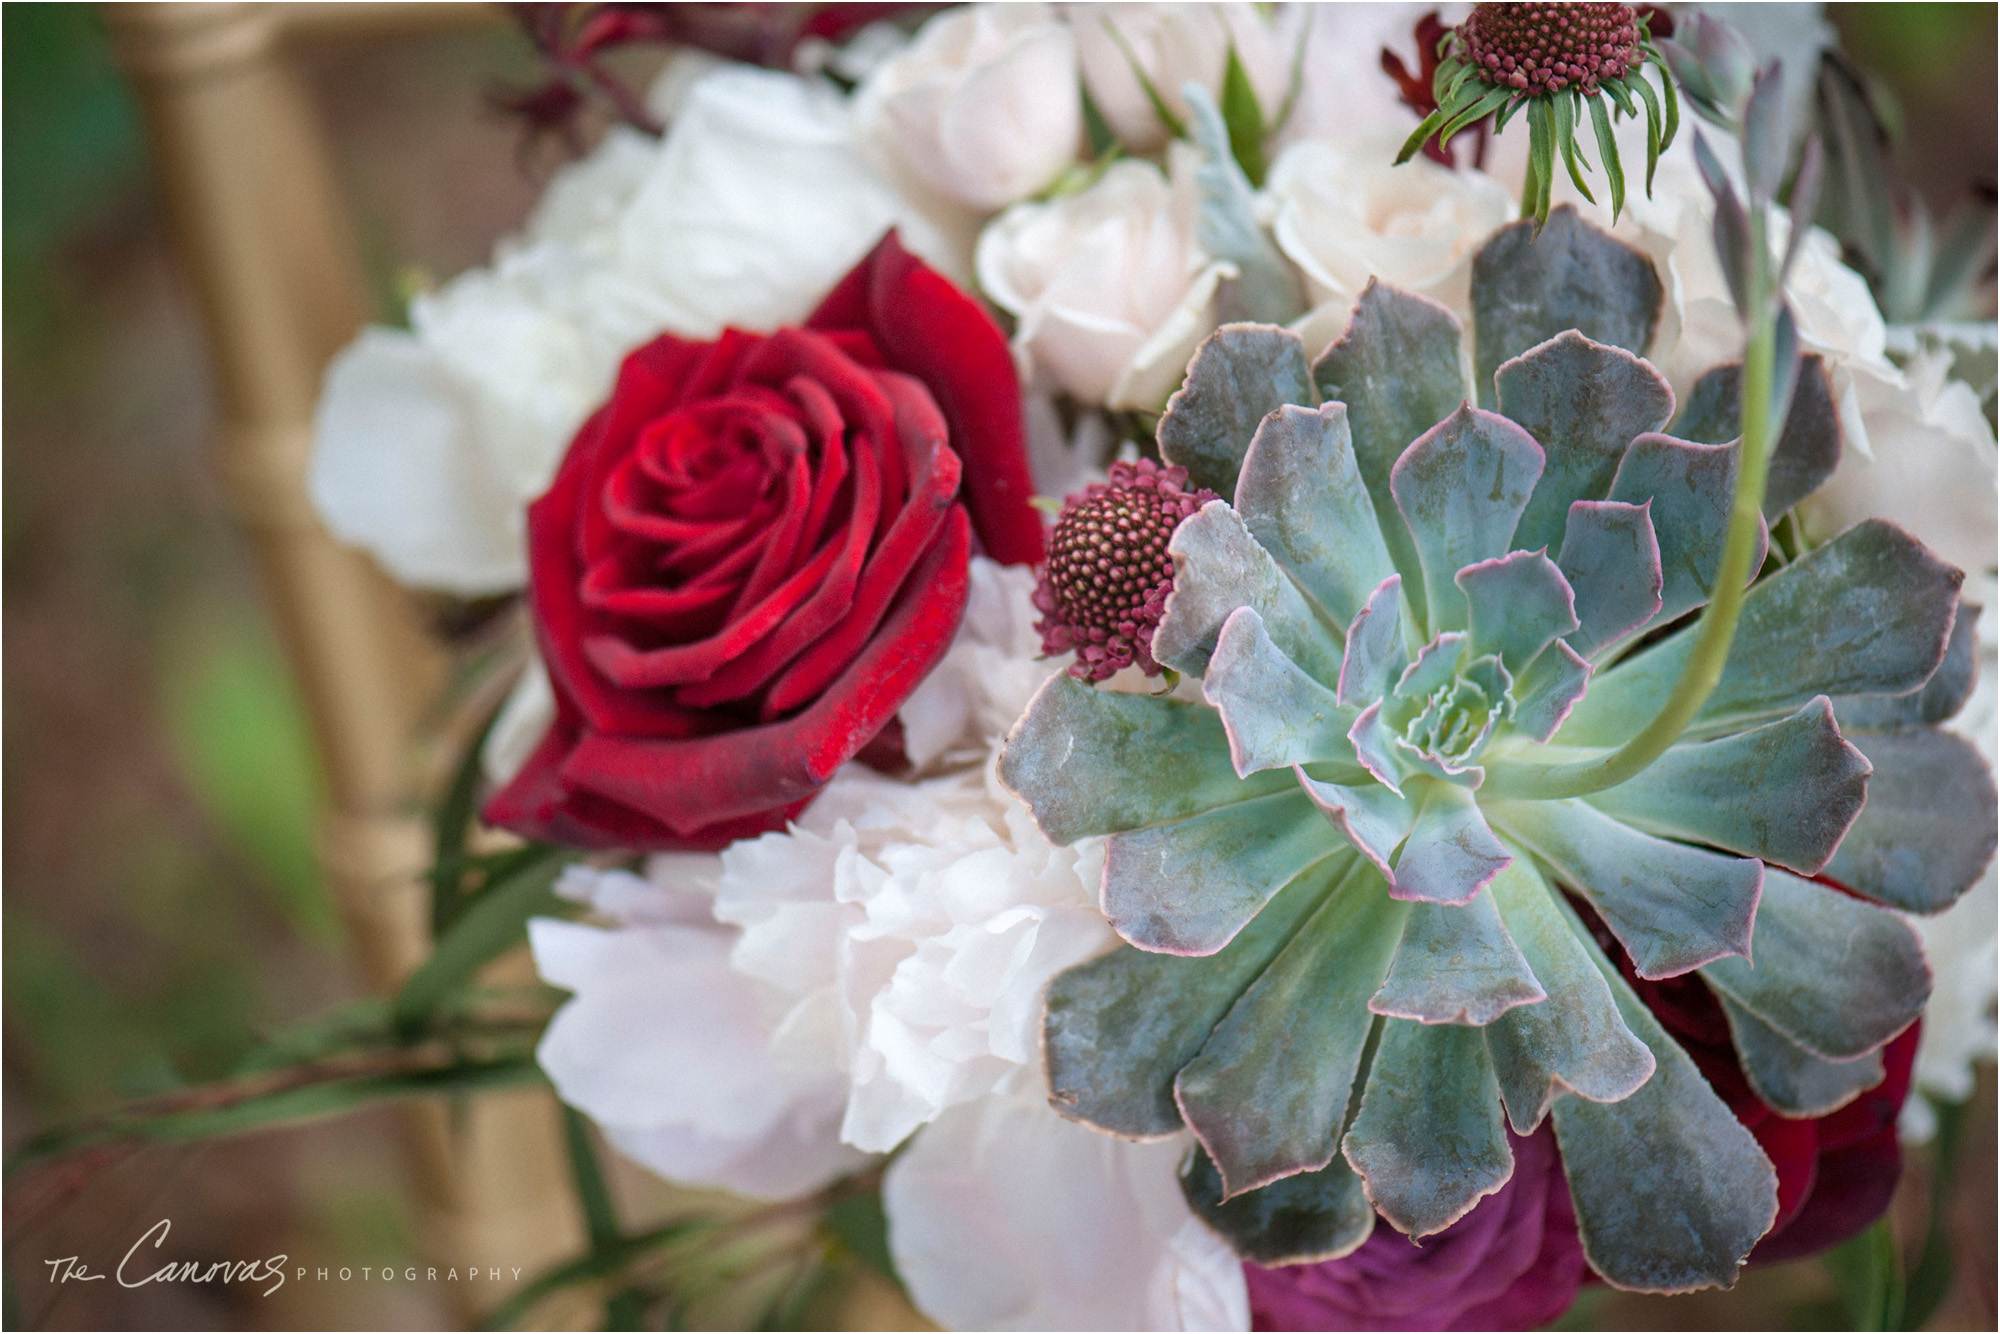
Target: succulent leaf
[
  {"x": 1927, "y": 831},
  {"x": 1313, "y": 1216},
  {"x": 1239, "y": 373},
  {"x": 1869, "y": 613},
  {"x": 1671, "y": 1191},
  {"x": 1689, "y": 487},
  {"x": 1575, "y": 1042},
  {"x": 1268, "y": 1094},
  {"x": 1456, "y": 966},
  {"x": 1188, "y": 887},
  {"x": 1790, "y": 1078},
  {"x": 1461, "y": 489},
  {"x": 1786, "y": 792},
  {"x": 1517, "y": 605},
  {"x": 1949, "y": 687},
  {"x": 1429, "y": 1141},
  {"x": 1450, "y": 854},
  {"x": 1610, "y": 556},
  {"x": 1528, "y": 288},
  {"x": 1673, "y": 907},
  {"x": 1265, "y": 287},
  {"x": 1218, "y": 567},
  {"x": 1121, "y": 1026},
  {"x": 1583, "y": 402},
  {"x": 1374, "y": 818},
  {"x": 1549, "y": 689},
  {"x": 1807, "y": 450},
  {"x": 1090, "y": 762},
  {"x": 1376, "y": 653},
  {"x": 1398, "y": 369},
  {"x": 1303, "y": 499},
  {"x": 1276, "y": 715},
  {"x": 1836, "y": 975}
]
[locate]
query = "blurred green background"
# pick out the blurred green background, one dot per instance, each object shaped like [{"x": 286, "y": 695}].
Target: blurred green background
[{"x": 161, "y": 903}]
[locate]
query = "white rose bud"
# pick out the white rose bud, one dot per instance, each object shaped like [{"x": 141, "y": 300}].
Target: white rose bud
[
  {"x": 1109, "y": 291},
  {"x": 1170, "y": 45},
  {"x": 982, "y": 107},
  {"x": 1344, "y": 215}
]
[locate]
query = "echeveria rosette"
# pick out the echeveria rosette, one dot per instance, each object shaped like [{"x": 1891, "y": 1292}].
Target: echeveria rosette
[{"x": 1352, "y": 962}]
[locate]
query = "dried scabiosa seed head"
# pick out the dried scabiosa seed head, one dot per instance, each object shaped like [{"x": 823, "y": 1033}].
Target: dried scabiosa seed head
[
  {"x": 1108, "y": 573},
  {"x": 1546, "y": 48}
]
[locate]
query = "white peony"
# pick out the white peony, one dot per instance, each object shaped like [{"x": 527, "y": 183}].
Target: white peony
[
  {"x": 982, "y": 107},
  {"x": 766, "y": 1018},
  {"x": 1170, "y": 46},
  {"x": 430, "y": 442},
  {"x": 1110, "y": 292},
  {"x": 1344, "y": 214}
]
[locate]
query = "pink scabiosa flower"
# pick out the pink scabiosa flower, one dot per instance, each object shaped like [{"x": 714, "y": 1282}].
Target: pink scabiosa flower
[
  {"x": 1548, "y": 47},
  {"x": 1108, "y": 575}
]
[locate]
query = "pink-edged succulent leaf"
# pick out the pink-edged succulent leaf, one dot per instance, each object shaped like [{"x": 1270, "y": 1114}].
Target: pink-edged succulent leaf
[
  {"x": 1375, "y": 653},
  {"x": 1302, "y": 1219},
  {"x": 1429, "y": 1141},
  {"x": 1302, "y": 497},
  {"x": 1869, "y": 613},
  {"x": 1942, "y": 696},
  {"x": 1188, "y": 887},
  {"x": 1672, "y": 906},
  {"x": 1450, "y": 854},
  {"x": 1786, "y": 792},
  {"x": 1927, "y": 832},
  {"x": 1671, "y": 1191},
  {"x": 1456, "y": 965},
  {"x": 1584, "y": 403},
  {"x": 1239, "y": 374},
  {"x": 1275, "y": 715},
  {"x": 1099, "y": 762},
  {"x": 1375, "y": 746},
  {"x": 1690, "y": 488},
  {"x": 1268, "y": 1094},
  {"x": 1836, "y": 975},
  {"x": 1548, "y": 690},
  {"x": 1398, "y": 369},
  {"x": 1461, "y": 487},
  {"x": 1517, "y": 604},
  {"x": 1788, "y": 1077},
  {"x": 1373, "y": 817},
  {"x": 1610, "y": 555},
  {"x": 1808, "y": 449},
  {"x": 1575, "y": 1041},
  {"x": 1120, "y": 1027},
  {"x": 1218, "y": 567},
  {"x": 1529, "y": 285}
]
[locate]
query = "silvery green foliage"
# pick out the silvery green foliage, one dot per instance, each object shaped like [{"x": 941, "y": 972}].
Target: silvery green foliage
[{"x": 1353, "y": 959}]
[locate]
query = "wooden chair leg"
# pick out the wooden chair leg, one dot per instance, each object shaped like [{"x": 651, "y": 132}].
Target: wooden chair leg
[{"x": 257, "y": 220}]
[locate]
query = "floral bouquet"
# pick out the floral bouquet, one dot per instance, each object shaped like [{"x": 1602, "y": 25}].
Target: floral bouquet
[{"x": 1152, "y": 720}]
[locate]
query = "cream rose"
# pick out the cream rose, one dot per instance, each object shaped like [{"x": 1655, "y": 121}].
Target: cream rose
[
  {"x": 1110, "y": 292},
  {"x": 1172, "y": 45},
  {"x": 982, "y": 107}
]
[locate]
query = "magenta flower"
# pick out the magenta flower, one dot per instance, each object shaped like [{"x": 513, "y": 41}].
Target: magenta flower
[{"x": 1514, "y": 1262}]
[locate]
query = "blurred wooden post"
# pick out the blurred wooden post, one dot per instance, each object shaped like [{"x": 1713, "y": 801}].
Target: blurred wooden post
[{"x": 258, "y": 221}]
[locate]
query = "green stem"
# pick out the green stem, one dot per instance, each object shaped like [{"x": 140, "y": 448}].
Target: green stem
[{"x": 1715, "y": 631}]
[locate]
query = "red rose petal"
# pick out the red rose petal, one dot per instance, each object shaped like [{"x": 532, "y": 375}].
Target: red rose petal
[{"x": 688, "y": 785}]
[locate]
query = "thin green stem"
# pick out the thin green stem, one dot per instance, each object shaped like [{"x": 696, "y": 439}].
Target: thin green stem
[{"x": 1715, "y": 631}]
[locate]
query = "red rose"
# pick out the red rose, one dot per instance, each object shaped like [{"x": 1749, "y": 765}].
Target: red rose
[{"x": 753, "y": 553}]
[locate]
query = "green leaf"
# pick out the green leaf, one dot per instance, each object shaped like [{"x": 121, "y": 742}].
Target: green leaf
[
  {"x": 1607, "y": 153},
  {"x": 1869, "y": 1274},
  {"x": 1673, "y": 104},
  {"x": 1244, "y": 118},
  {"x": 1174, "y": 124},
  {"x": 491, "y": 925},
  {"x": 1645, "y": 91},
  {"x": 1485, "y": 105},
  {"x": 1506, "y": 114},
  {"x": 591, "y": 1267},
  {"x": 1097, "y": 131},
  {"x": 859, "y": 1223},
  {"x": 1414, "y": 144},
  {"x": 1931, "y": 1279},
  {"x": 449, "y": 829},
  {"x": 1563, "y": 105},
  {"x": 1541, "y": 165}
]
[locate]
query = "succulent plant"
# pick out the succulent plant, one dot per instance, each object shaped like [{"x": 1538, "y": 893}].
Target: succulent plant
[{"x": 1353, "y": 958}]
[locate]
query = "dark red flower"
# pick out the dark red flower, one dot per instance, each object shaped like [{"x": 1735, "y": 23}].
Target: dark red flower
[
  {"x": 1514, "y": 1262},
  {"x": 753, "y": 553},
  {"x": 1417, "y": 89}
]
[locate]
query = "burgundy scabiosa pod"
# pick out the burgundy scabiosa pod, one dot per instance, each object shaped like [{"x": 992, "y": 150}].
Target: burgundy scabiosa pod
[{"x": 1105, "y": 586}]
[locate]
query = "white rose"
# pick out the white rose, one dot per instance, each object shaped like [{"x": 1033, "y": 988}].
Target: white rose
[
  {"x": 1344, "y": 214},
  {"x": 429, "y": 443},
  {"x": 1342, "y": 89},
  {"x": 1108, "y": 288},
  {"x": 982, "y": 107},
  {"x": 1172, "y": 45}
]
